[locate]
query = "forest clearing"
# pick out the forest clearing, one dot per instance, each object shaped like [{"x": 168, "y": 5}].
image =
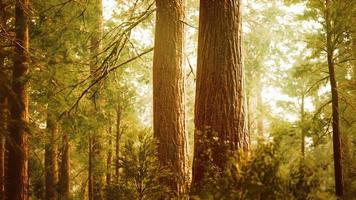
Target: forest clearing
[{"x": 178, "y": 99}]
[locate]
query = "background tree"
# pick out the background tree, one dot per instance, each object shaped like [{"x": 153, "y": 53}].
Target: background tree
[{"x": 96, "y": 169}]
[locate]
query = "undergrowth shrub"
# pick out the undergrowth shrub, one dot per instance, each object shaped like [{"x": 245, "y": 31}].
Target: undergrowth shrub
[
  {"x": 259, "y": 176},
  {"x": 140, "y": 173},
  {"x": 262, "y": 174}
]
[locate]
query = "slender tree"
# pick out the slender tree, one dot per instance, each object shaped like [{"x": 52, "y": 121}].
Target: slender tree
[
  {"x": 109, "y": 159},
  {"x": 219, "y": 104},
  {"x": 3, "y": 132},
  {"x": 117, "y": 143},
  {"x": 51, "y": 151},
  {"x": 90, "y": 169},
  {"x": 3, "y": 103},
  {"x": 302, "y": 121},
  {"x": 97, "y": 173},
  {"x": 17, "y": 173},
  {"x": 168, "y": 90},
  {"x": 330, "y": 50},
  {"x": 64, "y": 170}
]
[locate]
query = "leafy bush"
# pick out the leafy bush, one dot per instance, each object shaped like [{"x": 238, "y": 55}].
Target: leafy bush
[
  {"x": 260, "y": 175},
  {"x": 140, "y": 173}
]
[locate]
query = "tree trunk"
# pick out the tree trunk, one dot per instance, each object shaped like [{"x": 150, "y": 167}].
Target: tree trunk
[
  {"x": 168, "y": 91},
  {"x": 51, "y": 165},
  {"x": 17, "y": 177},
  {"x": 353, "y": 47},
  {"x": 117, "y": 144},
  {"x": 3, "y": 133},
  {"x": 90, "y": 170},
  {"x": 3, "y": 117},
  {"x": 220, "y": 124},
  {"x": 339, "y": 185},
  {"x": 64, "y": 170},
  {"x": 97, "y": 174},
  {"x": 302, "y": 116},
  {"x": 259, "y": 105},
  {"x": 109, "y": 160}
]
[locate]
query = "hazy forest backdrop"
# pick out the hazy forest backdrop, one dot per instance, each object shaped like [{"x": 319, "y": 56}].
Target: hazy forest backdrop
[{"x": 177, "y": 99}]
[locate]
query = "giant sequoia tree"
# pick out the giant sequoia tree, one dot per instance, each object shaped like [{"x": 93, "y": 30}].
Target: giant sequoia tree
[
  {"x": 219, "y": 103},
  {"x": 168, "y": 90},
  {"x": 17, "y": 174}
]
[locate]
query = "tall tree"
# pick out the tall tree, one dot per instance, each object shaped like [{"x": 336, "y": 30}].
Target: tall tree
[
  {"x": 168, "y": 90},
  {"x": 330, "y": 49},
  {"x": 51, "y": 151},
  {"x": 333, "y": 35},
  {"x": 219, "y": 103},
  {"x": 17, "y": 173},
  {"x": 3, "y": 101},
  {"x": 3, "y": 129},
  {"x": 117, "y": 142},
  {"x": 3, "y": 133},
  {"x": 64, "y": 170},
  {"x": 109, "y": 159},
  {"x": 97, "y": 172}
]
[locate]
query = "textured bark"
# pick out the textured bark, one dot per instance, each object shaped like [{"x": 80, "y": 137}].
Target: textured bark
[
  {"x": 64, "y": 170},
  {"x": 339, "y": 185},
  {"x": 220, "y": 124},
  {"x": 51, "y": 165},
  {"x": 17, "y": 173},
  {"x": 168, "y": 91}
]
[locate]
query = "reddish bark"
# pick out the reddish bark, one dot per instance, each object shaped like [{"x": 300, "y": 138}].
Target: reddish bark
[
  {"x": 17, "y": 173},
  {"x": 168, "y": 90},
  {"x": 219, "y": 105}
]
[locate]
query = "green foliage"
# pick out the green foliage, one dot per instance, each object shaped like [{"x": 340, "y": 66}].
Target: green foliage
[
  {"x": 282, "y": 50},
  {"x": 262, "y": 174},
  {"x": 36, "y": 171},
  {"x": 140, "y": 173}
]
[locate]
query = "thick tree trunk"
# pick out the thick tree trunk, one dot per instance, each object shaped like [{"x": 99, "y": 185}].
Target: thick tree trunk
[
  {"x": 17, "y": 173},
  {"x": 51, "y": 165},
  {"x": 339, "y": 185},
  {"x": 220, "y": 124},
  {"x": 64, "y": 170},
  {"x": 168, "y": 91}
]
